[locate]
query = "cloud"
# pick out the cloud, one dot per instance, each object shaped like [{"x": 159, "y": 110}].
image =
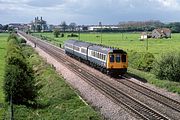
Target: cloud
[
  {"x": 89, "y": 11},
  {"x": 173, "y": 5}
]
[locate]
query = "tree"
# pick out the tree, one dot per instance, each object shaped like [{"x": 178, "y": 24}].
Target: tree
[
  {"x": 20, "y": 84},
  {"x": 175, "y": 27},
  {"x": 19, "y": 79},
  {"x": 1, "y": 27},
  {"x": 64, "y": 26},
  {"x": 56, "y": 33},
  {"x": 5, "y": 27},
  {"x": 72, "y": 26}
]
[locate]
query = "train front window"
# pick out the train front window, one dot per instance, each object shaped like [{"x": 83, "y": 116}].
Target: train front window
[
  {"x": 111, "y": 58},
  {"x": 118, "y": 58},
  {"x": 123, "y": 58}
]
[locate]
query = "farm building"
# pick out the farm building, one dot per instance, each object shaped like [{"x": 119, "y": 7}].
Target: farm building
[
  {"x": 145, "y": 35},
  {"x": 161, "y": 33}
]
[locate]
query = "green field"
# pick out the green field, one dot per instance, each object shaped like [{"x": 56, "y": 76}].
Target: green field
[
  {"x": 126, "y": 41},
  {"x": 3, "y": 43},
  {"x": 130, "y": 42}
]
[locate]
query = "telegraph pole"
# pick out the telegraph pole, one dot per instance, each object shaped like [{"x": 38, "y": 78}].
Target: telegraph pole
[
  {"x": 100, "y": 24},
  {"x": 147, "y": 40},
  {"x": 11, "y": 103},
  {"x": 79, "y": 32}
]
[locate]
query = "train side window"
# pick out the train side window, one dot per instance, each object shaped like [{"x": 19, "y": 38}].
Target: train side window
[
  {"x": 118, "y": 58},
  {"x": 111, "y": 58},
  {"x": 123, "y": 58}
]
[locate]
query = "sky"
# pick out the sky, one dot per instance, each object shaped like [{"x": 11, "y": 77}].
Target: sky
[{"x": 89, "y": 11}]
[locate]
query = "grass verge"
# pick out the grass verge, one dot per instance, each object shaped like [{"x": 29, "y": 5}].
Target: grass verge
[
  {"x": 151, "y": 78},
  {"x": 3, "y": 44},
  {"x": 56, "y": 100}
]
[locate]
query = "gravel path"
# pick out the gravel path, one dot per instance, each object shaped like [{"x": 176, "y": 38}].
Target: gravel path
[{"x": 90, "y": 95}]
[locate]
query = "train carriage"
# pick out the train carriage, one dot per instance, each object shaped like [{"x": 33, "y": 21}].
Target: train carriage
[
  {"x": 97, "y": 56},
  {"x": 68, "y": 46},
  {"x": 81, "y": 49},
  {"x": 109, "y": 60}
]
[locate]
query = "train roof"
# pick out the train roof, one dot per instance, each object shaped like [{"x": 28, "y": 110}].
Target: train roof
[
  {"x": 106, "y": 50},
  {"x": 82, "y": 44},
  {"x": 70, "y": 41},
  {"x": 101, "y": 49},
  {"x": 96, "y": 47}
]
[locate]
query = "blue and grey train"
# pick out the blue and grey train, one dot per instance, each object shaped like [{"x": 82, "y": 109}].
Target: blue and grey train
[{"x": 109, "y": 60}]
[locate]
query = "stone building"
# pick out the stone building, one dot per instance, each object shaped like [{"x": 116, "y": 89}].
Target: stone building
[{"x": 38, "y": 25}]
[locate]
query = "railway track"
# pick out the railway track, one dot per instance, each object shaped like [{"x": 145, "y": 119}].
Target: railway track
[
  {"x": 152, "y": 94},
  {"x": 122, "y": 98}
]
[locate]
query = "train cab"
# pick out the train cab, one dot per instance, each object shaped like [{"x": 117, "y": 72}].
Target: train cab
[{"x": 117, "y": 62}]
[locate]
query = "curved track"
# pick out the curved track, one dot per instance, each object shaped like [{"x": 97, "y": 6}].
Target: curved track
[{"x": 114, "y": 93}]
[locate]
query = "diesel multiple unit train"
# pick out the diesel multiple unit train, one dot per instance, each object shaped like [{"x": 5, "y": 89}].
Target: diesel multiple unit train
[{"x": 108, "y": 60}]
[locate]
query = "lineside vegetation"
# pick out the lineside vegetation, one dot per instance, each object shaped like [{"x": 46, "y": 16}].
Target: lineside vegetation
[{"x": 52, "y": 98}]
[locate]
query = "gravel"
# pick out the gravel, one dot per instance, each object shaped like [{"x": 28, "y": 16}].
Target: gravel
[{"x": 109, "y": 109}]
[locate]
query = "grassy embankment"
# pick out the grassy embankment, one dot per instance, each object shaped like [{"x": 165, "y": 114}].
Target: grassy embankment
[
  {"x": 3, "y": 43},
  {"x": 131, "y": 42},
  {"x": 56, "y": 100}
]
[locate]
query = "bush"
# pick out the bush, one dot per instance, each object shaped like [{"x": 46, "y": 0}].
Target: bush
[
  {"x": 22, "y": 40},
  {"x": 62, "y": 35},
  {"x": 72, "y": 35},
  {"x": 19, "y": 76},
  {"x": 168, "y": 67},
  {"x": 12, "y": 36},
  {"x": 141, "y": 60},
  {"x": 20, "y": 83},
  {"x": 56, "y": 33}
]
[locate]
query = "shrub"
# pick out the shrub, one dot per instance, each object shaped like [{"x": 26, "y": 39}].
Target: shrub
[
  {"x": 56, "y": 33},
  {"x": 12, "y": 36},
  {"x": 22, "y": 40},
  {"x": 168, "y": 67},
  {"x": 19, "y": 76},
  {"x": 72, "y": 35},
  {"x": 20, "y": 83},
  {"x": 62, "y": 35},
  {"x": 141, "y": 60}
]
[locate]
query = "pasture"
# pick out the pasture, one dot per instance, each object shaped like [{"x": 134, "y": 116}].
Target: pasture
[
  {"x": 126, "y": 41},
  {"x": 3, "y": 43}
]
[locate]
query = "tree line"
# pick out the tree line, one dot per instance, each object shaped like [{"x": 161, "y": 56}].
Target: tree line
[{"x": 19, "y": 81}]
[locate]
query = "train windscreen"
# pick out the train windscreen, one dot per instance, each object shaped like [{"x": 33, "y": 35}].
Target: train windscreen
[
  {"x": 118, "y": 58},
  {"x": 123, "y": 58},
  {"x": 111, "y": 58}
]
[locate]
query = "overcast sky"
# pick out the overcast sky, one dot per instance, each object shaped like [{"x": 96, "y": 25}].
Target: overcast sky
[{"x": 89, "y": 11}]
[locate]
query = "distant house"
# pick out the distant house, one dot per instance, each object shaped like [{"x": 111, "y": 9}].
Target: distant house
[{"x": 161, "y": 33}]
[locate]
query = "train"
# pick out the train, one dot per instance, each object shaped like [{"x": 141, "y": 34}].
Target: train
[{"x": 111, "y": 61}]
